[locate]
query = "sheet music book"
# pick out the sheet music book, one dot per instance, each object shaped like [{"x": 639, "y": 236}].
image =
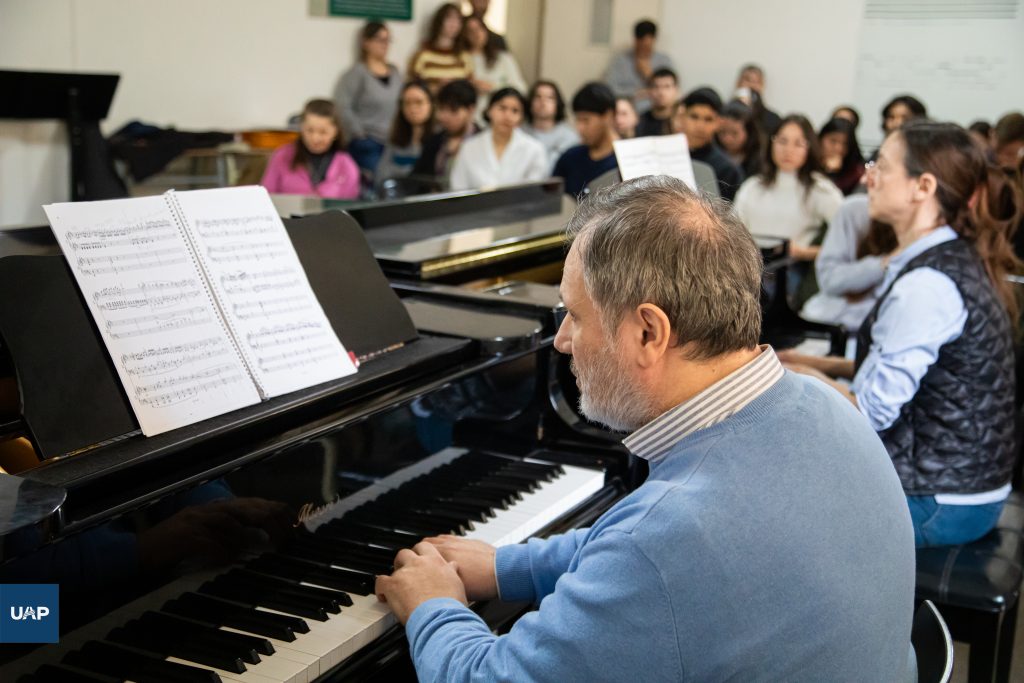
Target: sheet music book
[
  {"x": 200, "y": 299},
  {"x": 655, "y": 155}
]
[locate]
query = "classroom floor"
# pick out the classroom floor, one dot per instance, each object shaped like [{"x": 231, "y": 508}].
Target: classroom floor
[{"x": 961, "y": 652}]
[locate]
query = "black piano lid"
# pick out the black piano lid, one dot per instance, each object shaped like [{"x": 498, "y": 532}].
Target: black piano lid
[{"x": 131, "y": 471}]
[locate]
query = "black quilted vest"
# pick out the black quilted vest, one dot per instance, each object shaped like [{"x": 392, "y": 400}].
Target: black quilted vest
[{"x": 957, "y": 434}]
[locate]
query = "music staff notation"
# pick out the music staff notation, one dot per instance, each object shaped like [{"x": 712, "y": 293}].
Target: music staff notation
[
  {"x": 256, "y": 251},
  {"x": 236, "y": 226},
  {"x": 176, "y": 396},
  {"x": 271, "y": 307},
  {"x": 122, "y": 263},
  {"x": 283, "y": 335},
  {"x": 161, "y": 360},
  {"x": 133, "y": 234},
  {"x": 148, "y": 294},
  {"x": 162, "y": 322},
  {"x": 242, "y": 282},
  {"x": 290, "y": 360}
]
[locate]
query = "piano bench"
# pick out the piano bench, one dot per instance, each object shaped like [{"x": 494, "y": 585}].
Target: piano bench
[{"x": 977, "y": 587}]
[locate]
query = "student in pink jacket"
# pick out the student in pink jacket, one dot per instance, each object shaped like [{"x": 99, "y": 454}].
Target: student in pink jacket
[{"x": 316, "y": 163}]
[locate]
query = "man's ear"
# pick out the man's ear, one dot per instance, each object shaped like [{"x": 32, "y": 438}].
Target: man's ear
[{"x": 655, "y": 334}]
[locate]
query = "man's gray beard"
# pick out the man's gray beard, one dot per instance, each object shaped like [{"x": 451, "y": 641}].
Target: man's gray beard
[{"x": 607, "y": 397}]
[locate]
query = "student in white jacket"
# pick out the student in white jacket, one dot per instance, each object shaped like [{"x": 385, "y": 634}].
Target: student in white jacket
[{"x": 502, "y": 154}]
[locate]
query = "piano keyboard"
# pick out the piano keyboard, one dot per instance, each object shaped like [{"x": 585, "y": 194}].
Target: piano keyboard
[{"x": 293, "y": 614}]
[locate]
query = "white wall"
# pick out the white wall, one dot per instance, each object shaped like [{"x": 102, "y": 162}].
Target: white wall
[
  {"x": 193, "y": 64},
  {"x": 808, "y": 48}
]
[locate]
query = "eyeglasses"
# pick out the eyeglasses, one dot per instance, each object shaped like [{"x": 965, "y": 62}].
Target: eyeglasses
[{"x": 787, "y": 142}]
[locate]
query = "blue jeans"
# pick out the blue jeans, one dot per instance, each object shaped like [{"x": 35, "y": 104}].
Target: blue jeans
[
  {"x": 366, "y": 152},
  {"x": 936, "y": 524}
]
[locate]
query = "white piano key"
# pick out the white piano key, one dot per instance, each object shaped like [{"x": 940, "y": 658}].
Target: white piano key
[
  {"x": 541, "y": 507},
  {"x": 245, "y": 677}
]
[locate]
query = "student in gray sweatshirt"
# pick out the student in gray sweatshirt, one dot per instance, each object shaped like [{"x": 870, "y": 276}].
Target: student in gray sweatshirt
[{"x": 367, "y": 96}]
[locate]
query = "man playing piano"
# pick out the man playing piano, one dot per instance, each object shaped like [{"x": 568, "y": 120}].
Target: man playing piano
[{"x": 771, "y": 540}]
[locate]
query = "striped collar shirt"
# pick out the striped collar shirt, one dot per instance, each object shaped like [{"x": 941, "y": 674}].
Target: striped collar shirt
[{"x": 721, "y": 400}]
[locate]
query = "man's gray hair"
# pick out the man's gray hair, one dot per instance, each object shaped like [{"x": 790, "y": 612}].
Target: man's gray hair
[{"x": 654, "y": 240}]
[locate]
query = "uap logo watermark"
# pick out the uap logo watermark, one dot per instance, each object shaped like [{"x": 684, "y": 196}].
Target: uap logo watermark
[{"x": 29, "y": 613}]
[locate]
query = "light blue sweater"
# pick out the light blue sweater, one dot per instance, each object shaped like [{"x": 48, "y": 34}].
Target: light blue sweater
[{"x": 775, "y": 545}]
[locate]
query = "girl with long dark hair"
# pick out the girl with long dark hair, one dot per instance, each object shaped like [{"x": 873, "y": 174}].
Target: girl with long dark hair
[
  {"x": 791, "y": 197},
  {"x": 841, "y": 155}
]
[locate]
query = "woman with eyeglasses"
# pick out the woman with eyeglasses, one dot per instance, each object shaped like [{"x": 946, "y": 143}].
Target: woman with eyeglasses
[
  {"x": 367, "y": 96},
  {"x": 934, "y": 370},
  {"x": 791, "y": 198}
]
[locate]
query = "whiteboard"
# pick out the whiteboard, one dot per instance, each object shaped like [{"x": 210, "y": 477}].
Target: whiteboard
[{"x": 964, "y": 60}]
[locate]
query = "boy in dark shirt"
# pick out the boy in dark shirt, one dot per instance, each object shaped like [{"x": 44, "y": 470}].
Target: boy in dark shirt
[
  {"x": 698, "y": 117},
  {"x": 594, "y": 109},
  {"x": 456, "y": 107},
  {"x": 664, "y": 88}
]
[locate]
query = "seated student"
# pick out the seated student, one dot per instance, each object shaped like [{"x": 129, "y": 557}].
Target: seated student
[
  {"x": 898, "y": 111},
  {"x": 593, "y": 105},
  {"x": 791, "y": 198},
  {"x": 750, "y": 91},
  {"x": 981, "y": 131},
  {"x": 698, "y": 116},
  {"x": 493, "y": 68},
  {"x": 934, "y": 372},
  {"x": 367, "y": 96},
  {"x": 502, "y": 154},
  {"x": 1008, "y": 140},
  {"x": 852, "y": 262},
  {"x": 841, "y": 157},
  {"x": 740, "y": 137},
  {"x": 771, "y": 540},
  {"x": 630, "y": 71},
  {"x": 845, "y": 111},
  {"x": 413, "y": 123},
  {"x": 316, "y": 163},
  {"x": 441, "y": 58},
  {"x": 456, "y": 110},
  {"x": 626, "y": 119},
  {"x": 664, "y": 89},
  {"x": 545, "y": 120}
]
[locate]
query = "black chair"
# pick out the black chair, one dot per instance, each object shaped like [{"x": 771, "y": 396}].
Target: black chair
[
  {"x": 932, "y": 645},
  {"x": 977, "y": 585}
]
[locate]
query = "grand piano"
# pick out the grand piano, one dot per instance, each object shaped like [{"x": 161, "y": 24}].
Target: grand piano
[{"x": 244, "y": 548}]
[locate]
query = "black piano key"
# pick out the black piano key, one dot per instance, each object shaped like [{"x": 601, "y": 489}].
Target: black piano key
[
  {"x": 358, "y": 532},
  {"x": 143, "y": 639},
  {"x": 235, "y": 615},
  {"x": 59, "y": 673},
  {"x": 256, "y": 597},
  {"x": 420, "y": 525},
  {"x": 126, "y": 663},
  {"x": 337, "y": 559},
  {"x": 247, "y": 648},
  {"x": 321, "y": 574},
  {"x": 358, "y": 548},
  {"x": 331, "y": 600},
  {"x": 377, "y": 557}
]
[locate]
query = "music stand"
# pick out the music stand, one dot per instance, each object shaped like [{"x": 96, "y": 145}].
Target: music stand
[{"x": 77, "y": 99}]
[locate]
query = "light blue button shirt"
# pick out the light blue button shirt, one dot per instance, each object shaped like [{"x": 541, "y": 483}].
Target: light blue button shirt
[{"x": 923, "y": 312}]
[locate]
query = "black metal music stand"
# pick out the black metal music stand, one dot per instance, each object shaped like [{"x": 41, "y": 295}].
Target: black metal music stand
[{"x": 78, "y": 99}]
